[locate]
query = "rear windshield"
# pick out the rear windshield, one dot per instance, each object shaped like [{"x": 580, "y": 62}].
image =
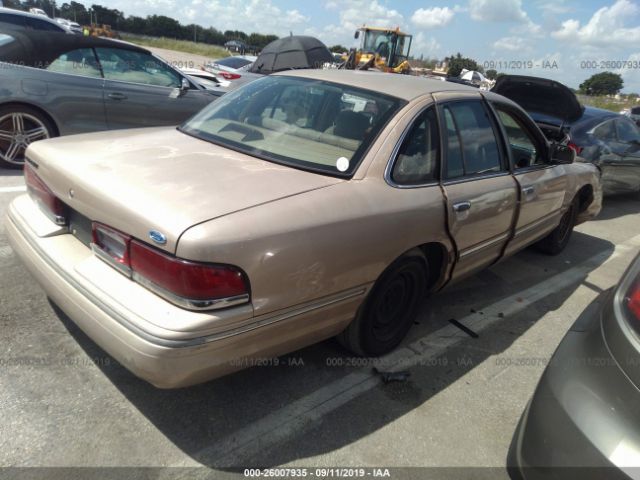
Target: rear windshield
[
  {"x": 233, "y": 62},
  {"x": 304, "y": 123}
]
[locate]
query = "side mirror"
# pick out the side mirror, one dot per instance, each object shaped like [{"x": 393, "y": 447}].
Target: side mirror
[
  {"x": 357, "y": 34},
  {"x": 562, "y": 154},
  {"x": 185, "y": 85}
]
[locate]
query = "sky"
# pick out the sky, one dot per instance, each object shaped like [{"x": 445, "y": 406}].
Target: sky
[{"x": 558, "y": 39}]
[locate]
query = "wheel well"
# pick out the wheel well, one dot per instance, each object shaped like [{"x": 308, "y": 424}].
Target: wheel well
[
  {"x": 436, "y": 255},
  {"x": 37, "y": 109},
  {"x": 585, "y": 197}
]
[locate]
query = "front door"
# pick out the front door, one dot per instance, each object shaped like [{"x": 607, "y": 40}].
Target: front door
[{"x": 141, "y": 91}]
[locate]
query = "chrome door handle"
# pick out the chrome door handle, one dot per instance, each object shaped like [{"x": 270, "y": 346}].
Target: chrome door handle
[
  {"x": 117, "y": 96},
  {"x": 526, "y": 191},
  {"x": 461, "y": 207}
]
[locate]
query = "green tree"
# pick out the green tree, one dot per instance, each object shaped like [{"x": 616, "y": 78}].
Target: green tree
[
  {"x": 605, "y": 83},
  {"x": 338, "y": 49},
  {"x": 458, "y": 63},
  {"x": 491, "y": 74}
]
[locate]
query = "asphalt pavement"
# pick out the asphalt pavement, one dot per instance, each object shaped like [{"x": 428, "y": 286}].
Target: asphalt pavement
[{"x": 65, "y": 403}]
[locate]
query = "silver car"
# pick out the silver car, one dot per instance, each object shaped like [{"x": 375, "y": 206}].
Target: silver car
[
  {"x": 583, "y": 420},
  {"x": 54, "y": 84}
]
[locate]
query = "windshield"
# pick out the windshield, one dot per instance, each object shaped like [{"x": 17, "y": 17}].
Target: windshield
[{"x": 304, "y": 123}]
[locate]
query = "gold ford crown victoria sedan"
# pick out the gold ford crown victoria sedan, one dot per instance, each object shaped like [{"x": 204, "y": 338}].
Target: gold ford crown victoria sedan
[{"x": 302, "y": 206}]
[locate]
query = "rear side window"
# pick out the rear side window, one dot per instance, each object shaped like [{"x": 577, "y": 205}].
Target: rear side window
[
  {"x": 77, "y": 62},
  {"x": 522, "y": 144},
  {"x": 472, "y": 147},
  {"x": 418, "y": 156}
]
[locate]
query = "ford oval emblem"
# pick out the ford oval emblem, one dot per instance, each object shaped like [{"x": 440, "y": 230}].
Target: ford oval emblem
[{"x": 157, "y": 237}]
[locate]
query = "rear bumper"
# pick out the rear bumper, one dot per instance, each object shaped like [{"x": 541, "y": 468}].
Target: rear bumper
[
  {"x": 160, "y": 343},
  {"x": 583, "y": 420}
]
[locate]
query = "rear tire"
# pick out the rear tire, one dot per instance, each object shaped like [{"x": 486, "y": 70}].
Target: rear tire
[
  {"x": 19, "y": 127},
  {"x": 559, "y": 237},
  {"x": 388, "y": 312}
]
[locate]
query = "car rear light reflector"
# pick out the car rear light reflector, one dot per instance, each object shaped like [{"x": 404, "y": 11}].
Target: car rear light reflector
[
  {"x": 51, "y": 205},
  {"x": 192, "y": 285},
  {"x": 230, "y": 76},
  {"x": 112, "y": 243}
]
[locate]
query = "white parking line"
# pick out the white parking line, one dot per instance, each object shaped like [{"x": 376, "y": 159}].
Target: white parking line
[
  {"x": 21, "y": 188},
  {"x": 292, "y": 418}
]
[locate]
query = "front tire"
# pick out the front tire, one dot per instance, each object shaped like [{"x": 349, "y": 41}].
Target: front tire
[
  {"x": 557, "y": 240},
  {"x": 19, "y": 127},
  {"x": 390, "y": 308}
]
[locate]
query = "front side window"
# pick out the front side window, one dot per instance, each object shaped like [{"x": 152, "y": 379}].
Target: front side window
[
  {"x": 77, "y": 62},
  {"x": 472, "y": 148},
  {"x": 136, "y": 67},
  {"x": 522, "y": 144},
  {"x": 304, "y": 123},
  {"x": 627, "y": 131},
  {"x": 418, "y": 156}
]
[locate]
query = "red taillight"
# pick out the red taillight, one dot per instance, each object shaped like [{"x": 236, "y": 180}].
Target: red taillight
[
  {"x": 230, "y": 76},
  {"x": 186, "y": 279},
  {"x": 189, "y": 284},
  {"x": 43, "y": 196},
  {"x": 575, "y": 148},
  {"x": 632, "y": 300}
]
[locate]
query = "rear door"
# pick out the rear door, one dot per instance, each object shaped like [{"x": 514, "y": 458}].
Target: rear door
[
  {"x": 74, "y": 84},
  {"x": 142, "y": 91},
  {"x": 542, "y": 186},
  {"x": 481, "y": 194}
]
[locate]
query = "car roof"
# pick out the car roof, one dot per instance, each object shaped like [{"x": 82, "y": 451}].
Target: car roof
[
  {"x": 406, "y": 87},
  {"x": 21, "y": 13},
  {"x": 36, "y": 47}
]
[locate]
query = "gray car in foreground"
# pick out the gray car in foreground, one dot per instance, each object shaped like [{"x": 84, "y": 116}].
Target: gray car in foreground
[
  {"x": 53, "y": 84},
  {"x": 584, "y": 418}
]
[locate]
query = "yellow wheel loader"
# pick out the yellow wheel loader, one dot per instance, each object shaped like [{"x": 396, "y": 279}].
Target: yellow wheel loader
[{"x": 385, "y": 49}]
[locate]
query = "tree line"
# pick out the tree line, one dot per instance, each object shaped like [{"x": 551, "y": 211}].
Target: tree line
[{"x": 152, "y": 25}]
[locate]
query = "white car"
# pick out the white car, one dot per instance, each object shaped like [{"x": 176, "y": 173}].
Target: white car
[
  {"x": 202, "y": 74},
  {"x": 73, "y": 26},
  {"x": 38, "y": 11},
  {"x": 231, "y": 68}
]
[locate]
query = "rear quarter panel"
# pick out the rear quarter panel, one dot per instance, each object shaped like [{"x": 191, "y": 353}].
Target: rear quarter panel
[{"x": 322, "y": 242}]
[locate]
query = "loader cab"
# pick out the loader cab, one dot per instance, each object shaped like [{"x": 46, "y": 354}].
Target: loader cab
[{"x": 392, "y": 45}]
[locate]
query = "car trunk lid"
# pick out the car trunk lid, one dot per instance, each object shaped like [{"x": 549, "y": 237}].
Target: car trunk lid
[
  {"x": 159, "y": 179},
  {"x": 542, "y": 98}
]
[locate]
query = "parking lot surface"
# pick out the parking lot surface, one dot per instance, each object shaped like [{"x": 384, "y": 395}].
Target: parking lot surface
[{"x": 65, "y": 402}]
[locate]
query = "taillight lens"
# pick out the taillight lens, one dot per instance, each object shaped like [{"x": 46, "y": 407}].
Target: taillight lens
[
  {"x": 230, "y": 76},
  {"x": 193, "y": 285},
  {"x": 186, "y": 279},
  {"x": 51, "y": 205},
  {"x": 575, "y": 148}
]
